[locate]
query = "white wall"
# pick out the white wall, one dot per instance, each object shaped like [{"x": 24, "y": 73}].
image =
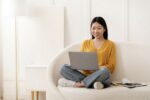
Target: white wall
[
  {"x": 139, "y": 20},
  {"x": 8, "y": 59},
  {"x": 40, "y": 36},
  {"x": 77, "y": 17},
  {"x": 80, "y": 12},
  {"x": 0, "y": 54},
  {"x": 127, "y": 20},
  {"x": 113, "y": 12}
]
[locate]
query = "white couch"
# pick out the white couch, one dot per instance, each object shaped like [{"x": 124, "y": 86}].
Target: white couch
[{"x": 133, "y": 63}]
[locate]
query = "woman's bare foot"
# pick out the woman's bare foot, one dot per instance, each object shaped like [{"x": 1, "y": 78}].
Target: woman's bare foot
[{"x": 79, "y": 84}]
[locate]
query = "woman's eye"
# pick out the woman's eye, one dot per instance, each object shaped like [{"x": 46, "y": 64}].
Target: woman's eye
[
  {"x": 100, "y": 27},
  {"x": 93, "y": 28}
]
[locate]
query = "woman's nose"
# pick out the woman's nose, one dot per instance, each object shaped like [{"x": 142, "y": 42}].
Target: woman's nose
[{"x": 95, "y": 30}]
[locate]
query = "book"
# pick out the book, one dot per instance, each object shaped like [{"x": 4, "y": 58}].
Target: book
[
  {"x": 133, "y": 85},
  {"x": 128, "y": 85}
]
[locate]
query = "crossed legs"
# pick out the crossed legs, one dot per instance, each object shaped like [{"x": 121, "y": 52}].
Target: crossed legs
[{"x": 102, "y": 75}]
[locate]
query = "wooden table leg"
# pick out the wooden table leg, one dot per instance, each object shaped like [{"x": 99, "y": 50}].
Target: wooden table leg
[
  {"x": 37, "y": 95},
  {"x": 32, "y": 95}
]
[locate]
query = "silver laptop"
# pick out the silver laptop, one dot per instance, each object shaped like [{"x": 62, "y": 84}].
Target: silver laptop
[{"x": 83, "y": 60}]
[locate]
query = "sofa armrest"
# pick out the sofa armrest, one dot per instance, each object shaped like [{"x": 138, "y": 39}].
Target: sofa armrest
[{"x": 54, "y": 69}]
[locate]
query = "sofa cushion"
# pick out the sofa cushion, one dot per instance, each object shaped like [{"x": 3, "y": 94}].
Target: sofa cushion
[{"x": 111, "y": 93}]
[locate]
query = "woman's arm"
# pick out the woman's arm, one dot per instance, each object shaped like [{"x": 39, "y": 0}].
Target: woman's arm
[{"x": 111, "y": 59}]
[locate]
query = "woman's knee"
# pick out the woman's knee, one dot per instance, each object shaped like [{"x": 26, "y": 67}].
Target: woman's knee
[
  {"x": 104, "y": 73},
  {"x": 105, "y": 70},
  {"x": 64, "y": 68}
]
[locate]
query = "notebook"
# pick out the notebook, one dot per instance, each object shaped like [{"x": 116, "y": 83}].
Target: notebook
[{"x": 83, "y": 60}]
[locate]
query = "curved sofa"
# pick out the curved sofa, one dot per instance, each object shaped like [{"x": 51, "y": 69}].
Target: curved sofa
[{"x": 133, "y": 63}]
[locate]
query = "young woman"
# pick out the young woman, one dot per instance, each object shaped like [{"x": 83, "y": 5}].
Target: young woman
[{"x": 105, "y": 50}]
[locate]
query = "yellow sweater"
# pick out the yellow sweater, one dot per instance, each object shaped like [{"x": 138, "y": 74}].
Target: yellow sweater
[{"x": 106, "y": 54}]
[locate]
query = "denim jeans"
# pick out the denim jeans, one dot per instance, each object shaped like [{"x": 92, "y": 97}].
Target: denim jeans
[{"x": 102, "y": 75}]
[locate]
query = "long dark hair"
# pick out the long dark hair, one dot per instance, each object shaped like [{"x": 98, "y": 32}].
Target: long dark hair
[{"x": 101, "y": 21}]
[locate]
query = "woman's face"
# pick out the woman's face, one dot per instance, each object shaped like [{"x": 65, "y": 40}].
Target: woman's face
[{"x": 97, "y": 30}]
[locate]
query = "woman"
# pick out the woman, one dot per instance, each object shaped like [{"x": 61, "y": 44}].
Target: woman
[{"x": 105, "y": 50}]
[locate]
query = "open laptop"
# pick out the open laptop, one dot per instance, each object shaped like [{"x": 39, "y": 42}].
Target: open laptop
[{"x": 83, "y": 60}]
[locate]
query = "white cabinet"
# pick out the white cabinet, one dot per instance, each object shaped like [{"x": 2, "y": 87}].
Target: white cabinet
[{"x": 36, "y": 82}]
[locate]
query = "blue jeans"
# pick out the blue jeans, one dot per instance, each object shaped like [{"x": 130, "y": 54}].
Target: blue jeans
[{"x": 102, "y": 75}]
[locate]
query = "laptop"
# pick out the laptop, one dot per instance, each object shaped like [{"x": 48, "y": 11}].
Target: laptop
[{"x": 83, "y": 60}]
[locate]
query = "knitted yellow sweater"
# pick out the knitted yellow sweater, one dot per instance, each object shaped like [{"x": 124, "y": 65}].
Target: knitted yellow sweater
[{"x": 106, "y": 54}]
